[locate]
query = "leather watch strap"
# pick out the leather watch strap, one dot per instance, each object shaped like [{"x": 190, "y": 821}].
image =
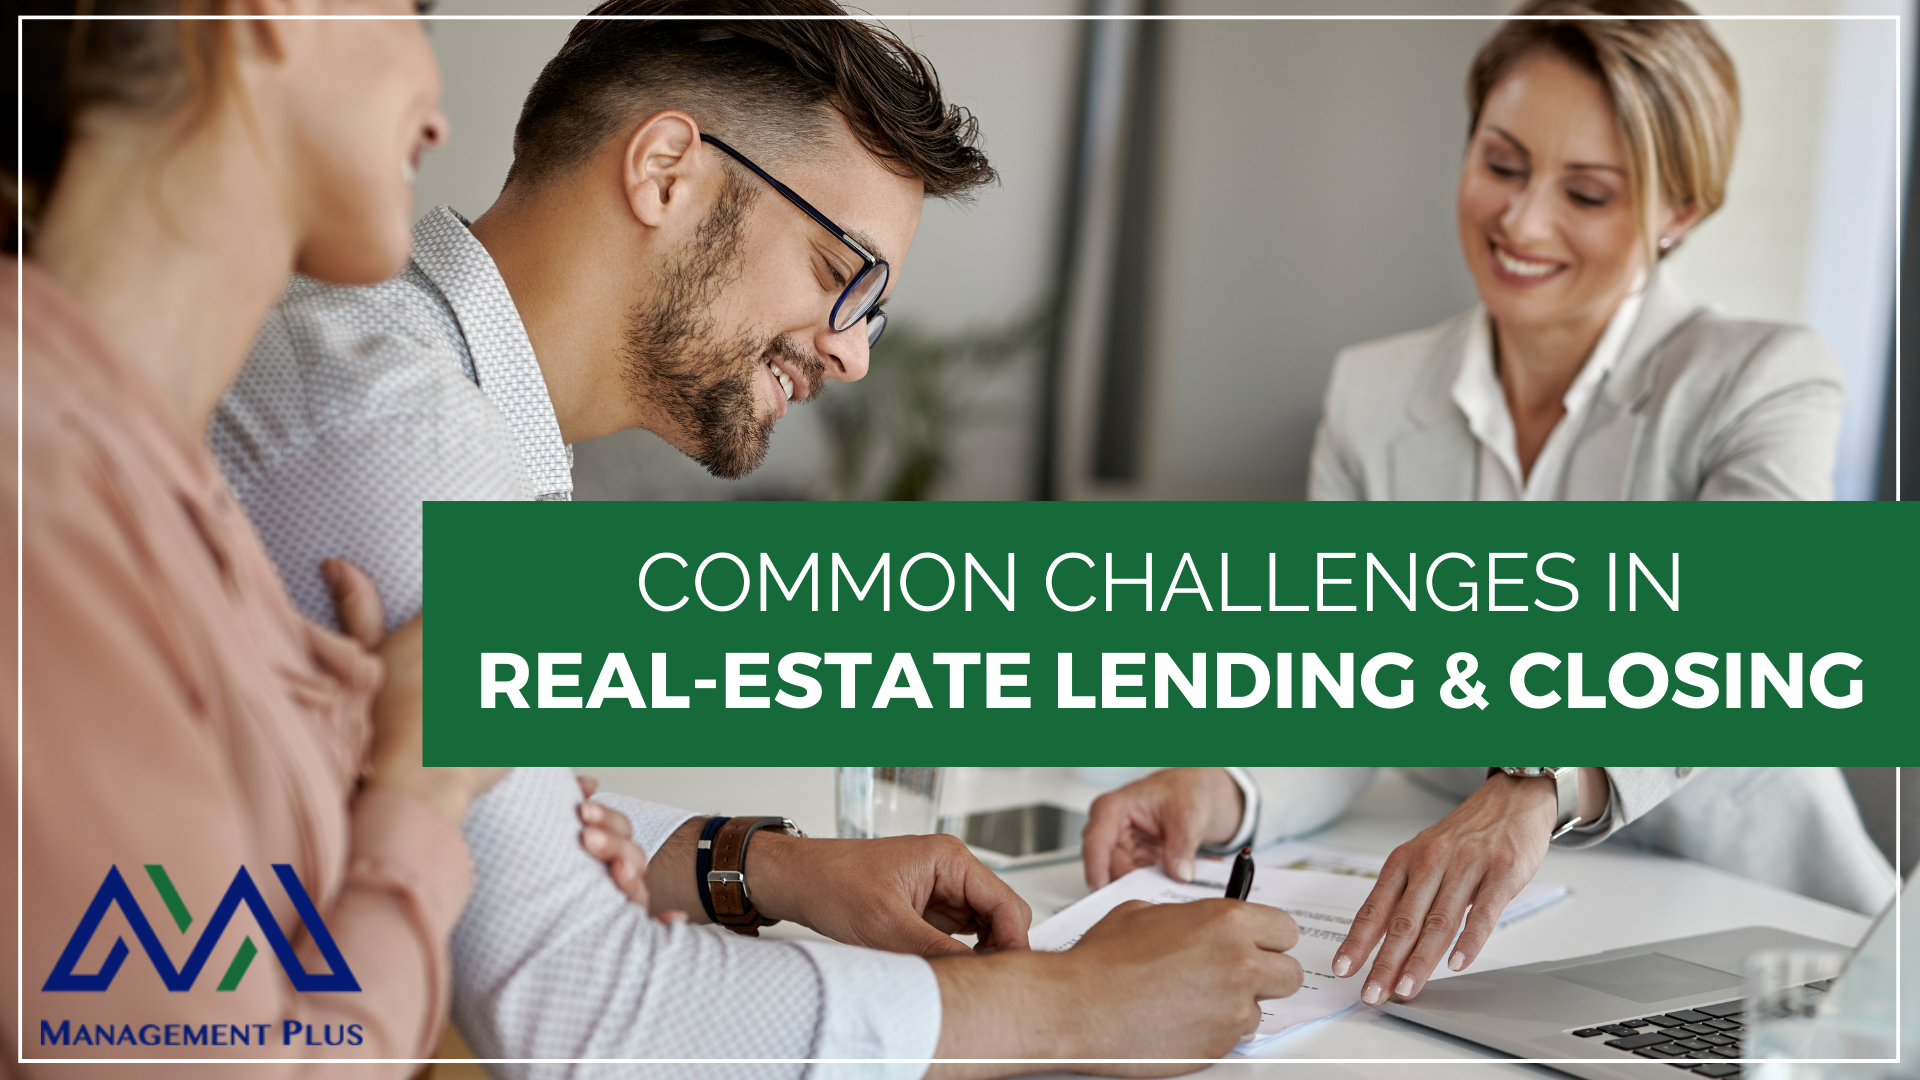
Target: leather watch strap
[
  {"x": 703, "y": 862},
  {"x": 726, "y": 880}
]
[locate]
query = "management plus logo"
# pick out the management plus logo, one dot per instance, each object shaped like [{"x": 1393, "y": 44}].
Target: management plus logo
[{"x": 114, "y": 891}]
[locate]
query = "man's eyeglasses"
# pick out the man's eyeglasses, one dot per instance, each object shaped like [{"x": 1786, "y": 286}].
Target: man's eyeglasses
[{"x": 857, "y": 300}]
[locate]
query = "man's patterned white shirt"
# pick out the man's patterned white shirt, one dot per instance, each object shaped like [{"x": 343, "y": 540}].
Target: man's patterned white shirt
[{"x": 357, "y": 404}]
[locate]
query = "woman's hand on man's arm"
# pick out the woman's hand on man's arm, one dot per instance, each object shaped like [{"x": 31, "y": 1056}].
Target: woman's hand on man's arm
[
  {"x": 607, "y": 835},
  {"x": 395, "y": 760}
]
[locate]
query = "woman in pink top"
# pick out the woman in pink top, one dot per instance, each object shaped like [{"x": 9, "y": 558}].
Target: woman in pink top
[{"x": 181, "y": 724}]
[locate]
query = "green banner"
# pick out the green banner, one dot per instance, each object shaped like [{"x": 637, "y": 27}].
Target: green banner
[{"x": 758, "y": 633}]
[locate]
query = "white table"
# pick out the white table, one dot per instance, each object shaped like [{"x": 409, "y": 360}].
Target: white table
[{"x": 1619, "y": 898}]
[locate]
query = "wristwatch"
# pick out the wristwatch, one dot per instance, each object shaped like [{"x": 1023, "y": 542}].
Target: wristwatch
[
  {"x": 720, "y": 864},
  {"x": 1566, "y": 788}
]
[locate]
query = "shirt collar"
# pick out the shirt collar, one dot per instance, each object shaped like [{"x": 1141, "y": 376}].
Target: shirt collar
[
  {"x": 447, "y": 252},
  {"x": 1478, "y": 393},
  {"x": 1476, "y": 390},
  {"x": 1607, "y": 351}
]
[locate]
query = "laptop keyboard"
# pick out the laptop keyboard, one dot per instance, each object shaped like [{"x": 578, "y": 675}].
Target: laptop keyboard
[{"x": 1699, "y": 1039}]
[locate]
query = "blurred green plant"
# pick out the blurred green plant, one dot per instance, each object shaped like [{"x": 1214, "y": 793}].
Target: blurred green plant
[{"x": 895, "y": 432}]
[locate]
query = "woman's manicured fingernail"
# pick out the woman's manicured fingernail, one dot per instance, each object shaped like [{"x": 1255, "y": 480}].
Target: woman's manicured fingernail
[
  {"x": 1183, "y": 869},
  {"x": 1405, "y": 987},
  {"x": 594, "y": 839},
  {"x": 590, "y": 811},
  {"x": 1341, "y": 966},
  {"x": 1458, "y": 961},
  {"x": 1371, "y": 995}
]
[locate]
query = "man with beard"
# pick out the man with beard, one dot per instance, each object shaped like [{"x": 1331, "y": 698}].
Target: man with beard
[{"x": 701, "y": 220}]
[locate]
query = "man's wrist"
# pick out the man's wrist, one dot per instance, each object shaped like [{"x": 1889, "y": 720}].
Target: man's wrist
[
  {"x": 670, "y": 881},
  {"x": 1018, "y": 1004},
  {"x": 773, "y": 864}
]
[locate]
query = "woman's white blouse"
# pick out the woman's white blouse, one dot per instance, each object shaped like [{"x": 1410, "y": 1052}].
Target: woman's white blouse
[{"x": 1480, "y": 396}]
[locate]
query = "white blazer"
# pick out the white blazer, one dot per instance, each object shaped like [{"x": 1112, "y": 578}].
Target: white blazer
[{"x": 1699, "y": 406}]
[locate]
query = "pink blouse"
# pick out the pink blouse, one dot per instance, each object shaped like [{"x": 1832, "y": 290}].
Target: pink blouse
[{"x": 179, "y": 714}]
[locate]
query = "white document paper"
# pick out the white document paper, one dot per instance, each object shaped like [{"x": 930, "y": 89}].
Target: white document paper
[{"x": 1321, "y": 887}]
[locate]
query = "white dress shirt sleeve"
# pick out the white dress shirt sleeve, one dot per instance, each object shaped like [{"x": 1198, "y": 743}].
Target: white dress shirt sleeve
[
  {"x": 551, "y": 962},
  {"x": 652, "y": 822},
  {"x": 335, "y": 432},
  {"x": 1295, "y": 801},
  {"x": 1249, "y": 814}
]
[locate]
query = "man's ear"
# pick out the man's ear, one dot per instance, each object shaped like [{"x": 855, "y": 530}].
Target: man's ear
[{"x": 661, "y": 156}]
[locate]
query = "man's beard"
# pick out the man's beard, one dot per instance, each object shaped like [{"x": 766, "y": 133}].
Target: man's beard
[{"x": 677, "y": 361}]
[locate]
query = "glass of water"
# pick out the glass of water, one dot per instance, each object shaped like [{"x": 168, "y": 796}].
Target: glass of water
[
  {"x": 1785, "y": 989},
  {"x": 887, "y": 802}
]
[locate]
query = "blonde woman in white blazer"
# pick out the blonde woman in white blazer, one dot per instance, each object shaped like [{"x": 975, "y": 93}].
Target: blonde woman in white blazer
[{"x": 1596, "y": 145}]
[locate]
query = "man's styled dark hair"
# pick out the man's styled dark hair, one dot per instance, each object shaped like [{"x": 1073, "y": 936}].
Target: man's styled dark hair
[{"x": 751, "y": 73}]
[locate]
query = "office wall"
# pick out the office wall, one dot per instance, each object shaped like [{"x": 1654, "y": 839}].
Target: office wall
[
  {"x": 971, "y": 265},
  {"x": 1751, "y": 258},
  {"x": 485, "y": 70},
  {"x": 1306, "y": 204}
]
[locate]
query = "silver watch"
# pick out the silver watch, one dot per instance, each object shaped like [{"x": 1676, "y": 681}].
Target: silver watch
[{"x": 1566, "y": 788}]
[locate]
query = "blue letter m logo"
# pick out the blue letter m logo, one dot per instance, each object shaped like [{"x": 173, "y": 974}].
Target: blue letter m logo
[{"x": 115, "y": 891}]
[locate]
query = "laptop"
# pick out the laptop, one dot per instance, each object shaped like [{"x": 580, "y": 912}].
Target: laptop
[{"x": 1675, "y": 1001}]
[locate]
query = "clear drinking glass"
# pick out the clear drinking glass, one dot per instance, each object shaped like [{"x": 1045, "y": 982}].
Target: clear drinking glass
[
  {"x": 887, "y": 802},
  {"x": 1782, "y": 1009}
]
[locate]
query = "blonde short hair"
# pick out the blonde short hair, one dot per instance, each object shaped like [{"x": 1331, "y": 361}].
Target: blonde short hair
[{"x": 1675, "y": 97}]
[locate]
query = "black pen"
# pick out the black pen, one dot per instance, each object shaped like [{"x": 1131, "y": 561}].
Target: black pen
[{"x": 1240, "y": 882}]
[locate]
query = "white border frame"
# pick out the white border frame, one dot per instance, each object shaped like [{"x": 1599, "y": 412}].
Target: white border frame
[{"x": 1899, "y": 191}]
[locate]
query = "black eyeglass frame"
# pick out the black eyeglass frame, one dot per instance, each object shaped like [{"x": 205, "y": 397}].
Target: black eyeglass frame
[{"x": 876, "y": 318}]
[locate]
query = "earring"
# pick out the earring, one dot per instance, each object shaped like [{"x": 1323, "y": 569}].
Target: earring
[{"x": 1666, "y": 243}]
